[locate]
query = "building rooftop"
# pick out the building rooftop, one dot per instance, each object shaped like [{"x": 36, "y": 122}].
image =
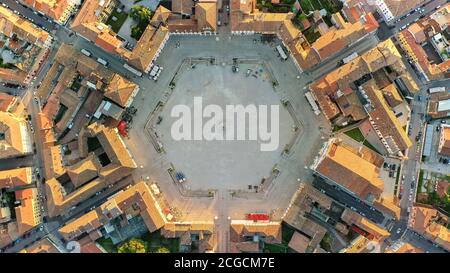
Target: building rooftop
[
  {"x": 401, "y": 7},
  {"x": 350, "y": 170},
  {"x": 138, "y": 199},
  {"x": 41, "y": 246},
  {"x": 10, "y": 23},
  {"x": 119, "y": 165},
  {"x": 444, "y": 147},
  {"x": 242, "y": 228},
  {"x": 15, "y": 138},
  {"x": 428, "y": 222},
  {"x": 14, "y": 178},
  {"x": 299, "y": 242},
  {"x": 59, "y": 10},
  {"x": 121, "y": 90},
  {"x": 385, "y": 122}
]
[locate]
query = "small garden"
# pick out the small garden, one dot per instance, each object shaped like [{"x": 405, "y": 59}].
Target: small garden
[
  {"x": 331, "y": 6},
  {"x": 147, "y": 243},
  {"x": 311, "y": 35},
  {"x": 326, "y": 242},
  {"x": 358, "y": 136},
  {"x": 116, "y": 20},
  {"x": 426, "y": 189},
  {"x": 284, "y": 6},
  {"x": 142, "y": 15}
]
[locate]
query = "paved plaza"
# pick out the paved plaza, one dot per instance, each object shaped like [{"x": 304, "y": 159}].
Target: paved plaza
[
  {"x": 229, "y": 168},
  {"x": 223, "y": 164}
]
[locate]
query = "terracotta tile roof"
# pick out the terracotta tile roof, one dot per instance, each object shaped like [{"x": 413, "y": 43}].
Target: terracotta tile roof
[
  {"x": 444, "y": 146},
  {"x": 120, "y": 167},
  {"x": 353, "y": 218},
  {"x": 183, "y": 6},
  {"x": 185, "y": 230},
  {"x": 400, "y": 7},
  {"x": 14, "y": 76},
  {"x": 392, "y": 95},
  {"x": 84, "y": 171},
  {"x": 14, "y": 136},
  {"x": 431, "y": 224},
  {"x": 27, "y": 214},
  {"x": 15, "y": 177},
  {"x": 84, "y": 224},
  {"x": 384, "y": 120},
  {"x": 388, "y": 206},
  {"x": 41, "y": 246},
  {"x": 406, "y": 248},
  {"x": 53, "y": 161},
  {"x": 121, "y": 90},
  {"x": 147, "y": 47},
  {"x": 11, "y": 23},
  {"x": 137, "y": 200},
  {"x": 240, "y": 229},
  {"x": 299, "y": 242},
  {"x": 52, "y": 8},
  {"x": 347, "y": 168},
  {"x": 6, "y": 102},
  {"x": 206, "y": 15}
]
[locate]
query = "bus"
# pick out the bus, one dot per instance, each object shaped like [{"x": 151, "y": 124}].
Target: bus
[
  {"x": 436, "y": 90},
  {"x": 350, "y": 58},
  {"x": 103, "y": 62},
  {"x": 85, "y": 52},
  {"x": 132, "y": 70},
  {"x": 281, "y": 52},
  {"x": 313, "y": 103}
]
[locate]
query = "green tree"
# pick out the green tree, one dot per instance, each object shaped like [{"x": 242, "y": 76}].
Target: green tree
[
  {"x": 162, "y": 250},
  {"x": 136, "y": 32},
  {"x": 141, "y": 14},
  {"x": 133, "y": 246},
  {"x": 302, "y": 16}
]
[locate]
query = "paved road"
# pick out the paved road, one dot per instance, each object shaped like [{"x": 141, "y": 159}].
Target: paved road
[
  {"x": 38, "y": 19},
  {"x": 420, "y": 242},
  {"x": 330, "y": 64},
  {"x": 386, "y": 31},
  {"x": 350, "y": 201},
  {"x": 12, "y": 163}
]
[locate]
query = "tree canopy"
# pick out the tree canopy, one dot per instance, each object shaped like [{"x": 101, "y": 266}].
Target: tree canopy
[{"x": 133, "y": 246}]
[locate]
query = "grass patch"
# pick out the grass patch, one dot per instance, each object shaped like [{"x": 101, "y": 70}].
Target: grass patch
[
  {"x": 355, "y": 134},
  {"x": 310, "y": 5},
  {"x": 275, "y": 248},
  {"x": 116, "y": 25},
  {"x": 398, "y": 176},
  {"x": 326, "y": 242},
  {"x": 283, "y": 7},
  {"x": 420, "y": 182},
  {"x": 331, "y": 6},
  {"x": 107, "y": 244},
  {"x": 358, "y": 136}
]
